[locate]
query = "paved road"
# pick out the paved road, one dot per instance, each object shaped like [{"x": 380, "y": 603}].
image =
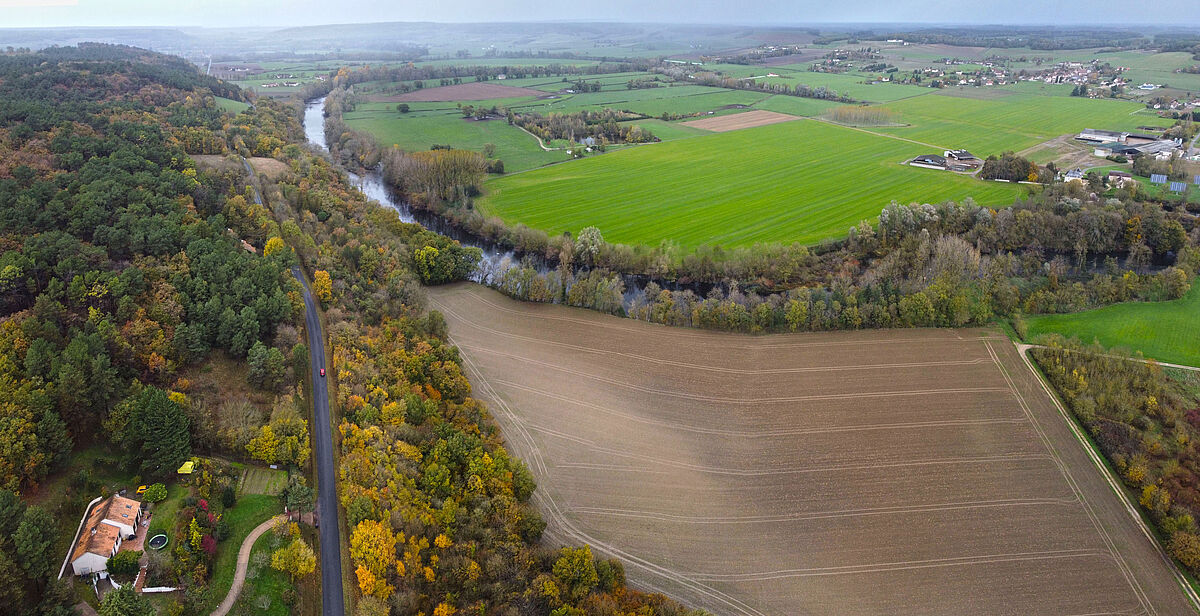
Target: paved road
[
  {"x": 243, "y": 559},
  {"x": 332, "y": 603}
]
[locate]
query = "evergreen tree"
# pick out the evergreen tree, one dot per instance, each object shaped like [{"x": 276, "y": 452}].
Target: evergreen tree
[{"x": 157, "y": 434}]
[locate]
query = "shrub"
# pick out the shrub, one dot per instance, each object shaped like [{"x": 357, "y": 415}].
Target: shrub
[
  {"x": 124, "y": 563},
  {"x": 228, "y": 497},
  {"x": 155, "y": 493}
]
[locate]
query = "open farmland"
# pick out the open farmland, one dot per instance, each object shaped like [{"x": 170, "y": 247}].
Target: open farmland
[
  {"x": 421, "y": 130},
  {"x": 1166, "y": 331},
  {"x": 791, "y": 182},
  {"x": 749, "y": 119},
  {"x": 895, "y": 472},
  {"x": 1013, "y": 121},
  {"x": 478, "y": 91}
]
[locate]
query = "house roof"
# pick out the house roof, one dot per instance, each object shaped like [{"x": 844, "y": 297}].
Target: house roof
[
  {"x": 99, "y": 538},
  {"x": 1107, "y": 133}
]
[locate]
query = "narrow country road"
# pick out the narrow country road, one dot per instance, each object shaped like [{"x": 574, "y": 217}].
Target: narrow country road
[
  {"x": 243, "y": 560},
  {"x": 332, "y": 601}
]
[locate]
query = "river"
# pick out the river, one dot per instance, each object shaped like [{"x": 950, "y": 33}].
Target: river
[
  {"x": 495, "y": 258},
  {"x": 371, "y": 184}
]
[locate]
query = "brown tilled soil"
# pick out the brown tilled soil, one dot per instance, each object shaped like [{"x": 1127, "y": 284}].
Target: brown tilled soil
[
  {"x": 481, "y": 91},
  {"x": 882, "y": 472},
  {"x": 736, "y": 121}
]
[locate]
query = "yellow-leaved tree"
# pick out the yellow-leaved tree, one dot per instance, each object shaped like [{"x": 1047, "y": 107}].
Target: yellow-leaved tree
[
  {"x": 274, "y": 245},
  {"x": 322, "y": 285},
  {"x": 373, "y": 550}
]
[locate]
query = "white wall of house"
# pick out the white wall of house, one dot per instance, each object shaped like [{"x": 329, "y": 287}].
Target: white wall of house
[{"x": 89, "y": 563}]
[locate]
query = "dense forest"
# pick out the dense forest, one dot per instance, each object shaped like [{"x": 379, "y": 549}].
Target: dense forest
[{"x": 125, "y": 267}]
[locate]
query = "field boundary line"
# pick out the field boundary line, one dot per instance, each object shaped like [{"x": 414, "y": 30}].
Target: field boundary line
[
  {"x": 1113, "y": 484},
  {"x": 1105, "y": 538},
  {"x": 593, "y": 350},
  {"x": 1022, "y": 348},
  {"x": 622, "y": 325},
  {"x": 871, "y": 132}
]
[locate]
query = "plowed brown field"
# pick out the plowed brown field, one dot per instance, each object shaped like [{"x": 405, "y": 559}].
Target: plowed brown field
[
  {"x": 882, "y": 472},
  {"x": 737, "y": 121}
]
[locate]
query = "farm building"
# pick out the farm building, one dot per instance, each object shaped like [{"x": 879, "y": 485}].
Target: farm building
[
  {"x": 1119, "y": 178},
  {"x": 110, "y": 522},
  {"x": 961, "y": 160},
  {"x": 1102, "y": 136},
  {"x": 1155, "y": 148},
  {"x": 929, "y": 161}
]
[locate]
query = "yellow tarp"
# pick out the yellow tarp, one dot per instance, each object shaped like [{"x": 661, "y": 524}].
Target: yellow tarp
[{"x": 187, "y": 468}]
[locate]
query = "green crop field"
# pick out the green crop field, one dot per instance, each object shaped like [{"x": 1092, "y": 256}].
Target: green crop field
[
  {"x": 230, "y": 105},
  {"x": 1166, "y": 331},
  {"x": 1010, "y": 122},
  {"x": 792, "y": 182},
  {"x": 421, "y": 130}
]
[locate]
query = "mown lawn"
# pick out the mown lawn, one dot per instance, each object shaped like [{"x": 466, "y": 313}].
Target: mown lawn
[
  {"x": 249, "y": 511},
  {"x": 793, "y": 182},
  {"x": 1166, "y": 331}
]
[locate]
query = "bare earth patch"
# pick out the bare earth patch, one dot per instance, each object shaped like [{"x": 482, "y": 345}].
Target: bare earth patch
[
  {"x": 479, "y": 91},
  {"x": 875, "y": 472},
  {"x": 268, "y": 167},
  {"x": 737, "y": 121}
]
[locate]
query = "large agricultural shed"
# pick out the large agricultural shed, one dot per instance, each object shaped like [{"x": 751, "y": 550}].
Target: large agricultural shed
[{"x": 882, "y": 472}]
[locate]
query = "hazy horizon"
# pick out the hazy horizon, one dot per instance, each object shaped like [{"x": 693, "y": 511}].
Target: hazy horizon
[{"x": 296, "y": 13}]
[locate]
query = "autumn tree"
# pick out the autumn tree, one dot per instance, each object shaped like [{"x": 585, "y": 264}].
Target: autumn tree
[
  {"x": 322, "y": 286},
  {"x": 576, "y": 573},
  {"x": 296, "y": 559},
  {"x": 373, "y": 550}
]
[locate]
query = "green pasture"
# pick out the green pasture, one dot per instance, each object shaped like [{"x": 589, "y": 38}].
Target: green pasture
[
  {"x": 230, "y": 105},
  {"x": 1011, "y": 122},
  {"x": 779, "y": 183},
  {"x": 421, "y": 130},
  {"x": 1166, "y": 331}
]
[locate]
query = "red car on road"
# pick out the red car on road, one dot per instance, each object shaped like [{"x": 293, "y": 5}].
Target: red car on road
[{"x": 322, "y": 372}]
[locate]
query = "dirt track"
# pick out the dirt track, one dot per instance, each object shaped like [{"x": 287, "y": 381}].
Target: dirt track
[{"x": 896, "y": 472}]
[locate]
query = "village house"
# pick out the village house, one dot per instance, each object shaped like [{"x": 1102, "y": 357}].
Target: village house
[{"x": 109, "y": 523}]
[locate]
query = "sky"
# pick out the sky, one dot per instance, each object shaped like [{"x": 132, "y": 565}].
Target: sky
[{"x": 284, "y": 13}]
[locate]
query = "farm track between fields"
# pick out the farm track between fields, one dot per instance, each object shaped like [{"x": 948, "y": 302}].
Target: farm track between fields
[{"x": 787, "y": 474}]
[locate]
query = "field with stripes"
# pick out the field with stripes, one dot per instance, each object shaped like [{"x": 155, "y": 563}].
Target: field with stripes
[
  {"x": 896, "y": 472},
  {"x": 801, "y": 181}
]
